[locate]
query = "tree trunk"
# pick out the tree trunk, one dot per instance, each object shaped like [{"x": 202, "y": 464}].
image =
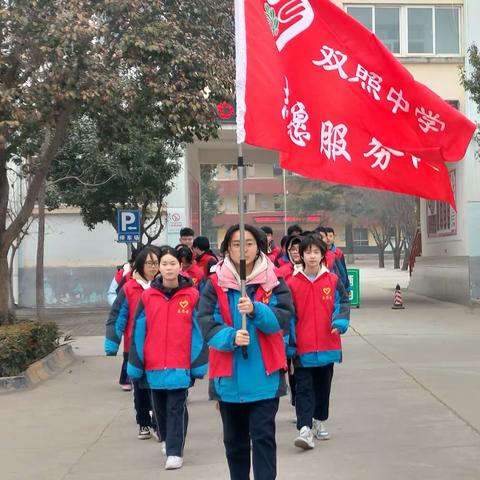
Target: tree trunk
[
  {"x": 13, "y": 252},
  {"x": 350, "y": 247},
  {"x": 397, "y": 253},
  {"x": 6, "y": 315},
  {"x": 406, "y": 259},
  {"x": 381, "y": 258},
  {"x": 10, "y": 233},
  {"x": 39, "y": 277}
]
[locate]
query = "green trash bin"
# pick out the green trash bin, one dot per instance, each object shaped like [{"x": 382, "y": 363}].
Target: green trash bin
[{"x": 354, "y": 278}]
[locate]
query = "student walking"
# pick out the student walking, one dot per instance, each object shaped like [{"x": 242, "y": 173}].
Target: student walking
[
  {"x": 248, "y": 386},
  {"x": 120, "y": 323},
  {"x": 167, "y": 350},
  {"x": 186, "y": 237},
  {"x": 322, "y": 315},
  {"x": 204, "y": 257},
  {"x": 272, "y": 251},
  {"x": 190, "y": 267},
  {"x": 292, "y": 248}
]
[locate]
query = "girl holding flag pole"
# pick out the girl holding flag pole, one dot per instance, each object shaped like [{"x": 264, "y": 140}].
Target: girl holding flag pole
[{"x": 247, "y": 362}]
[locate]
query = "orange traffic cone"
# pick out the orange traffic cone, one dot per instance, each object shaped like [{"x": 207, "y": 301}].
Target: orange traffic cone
[{"x": 397, "y": 299}]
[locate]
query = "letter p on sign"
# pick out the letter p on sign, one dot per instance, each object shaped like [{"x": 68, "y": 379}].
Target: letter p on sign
[{"x": 128, "y": 221}]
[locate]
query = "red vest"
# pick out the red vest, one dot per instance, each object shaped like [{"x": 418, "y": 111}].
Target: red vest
[
  {"x": 271, "y": 346},
  {"x": 133, "y": 291},
  {"x": 195, "y": 273},
  {"x": 168, "y": 338},
  {"x": 203, "y": 262},
  {"x": 314, "y": 304},
  {"x": 338, "y": 253},
  {"x": 285, "y": 271},
  {"x": 330, "y": 259},
  {"x": 120, "y": 273},
  {"x": 273, "y": 254},
  {"x": 281, "y": 261}
]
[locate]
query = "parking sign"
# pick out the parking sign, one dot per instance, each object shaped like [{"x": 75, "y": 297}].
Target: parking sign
[{"x": 128, "y": 226}]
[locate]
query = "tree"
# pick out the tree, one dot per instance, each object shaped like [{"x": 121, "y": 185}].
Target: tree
[
  {"x": 209, "y": 198},
  {"x": 342, "y": 202},
  {"x": 471, "y": 79},
  {"x": 115, "y": 61},
  {"x": 380, "y": 224},
  {"x": 134, "y": 171},
  {"x": 402, "y": 211}
]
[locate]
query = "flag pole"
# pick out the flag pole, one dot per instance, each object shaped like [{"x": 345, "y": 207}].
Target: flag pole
[{"x": 241, "y": 223}]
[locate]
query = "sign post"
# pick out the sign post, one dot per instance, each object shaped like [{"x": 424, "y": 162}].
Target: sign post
[{"x": 354, "y": 278}]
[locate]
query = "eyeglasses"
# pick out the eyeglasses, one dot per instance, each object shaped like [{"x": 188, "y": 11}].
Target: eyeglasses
[{"x": 152, "y": 264}]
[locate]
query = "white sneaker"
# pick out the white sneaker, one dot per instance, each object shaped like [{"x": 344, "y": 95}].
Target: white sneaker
[
  {"x": 173, "y": 463},
  {"x": 305, "y": 439},
  {"x": 163, "y": 446},
  {"x": 320, "y": 431},
  {"x": 144, "y": 433},
  {"x": 155, "y": 435}
]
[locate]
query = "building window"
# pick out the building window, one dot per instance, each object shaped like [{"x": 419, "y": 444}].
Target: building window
[
  {"x": 383, "y": 21},
  {"x": 441, "y": 217},
  {"x": 278, "y": 203},
  {"x": 360, "y": 237},
  {"x": 413, "y": 30}
]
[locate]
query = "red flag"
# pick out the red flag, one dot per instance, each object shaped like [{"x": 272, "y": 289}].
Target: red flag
[{"x": 316, "y": 85}]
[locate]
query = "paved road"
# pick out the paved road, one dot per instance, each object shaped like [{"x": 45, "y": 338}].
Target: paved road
[{"x": 404, "y": 406}]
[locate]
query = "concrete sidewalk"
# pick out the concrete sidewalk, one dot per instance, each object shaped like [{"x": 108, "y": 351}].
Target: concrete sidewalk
[{"x": 404, "y": 405}]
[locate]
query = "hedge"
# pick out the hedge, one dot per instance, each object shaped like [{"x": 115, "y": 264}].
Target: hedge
[{"x": 24, "y": 343}]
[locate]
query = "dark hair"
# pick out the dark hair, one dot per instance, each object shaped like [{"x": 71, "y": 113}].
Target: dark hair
[
  {"x": 329, "y": 230},
  {"x": 135, "y": 251},
  {"x": 292, "y": 240},
  {"x": 184, "y": 252},
  {"x": 168, "y": 250},
  {"x": 283, "y": 241},
  {"x": 294, "y": 228},
  {"x": 268, "y": 230},
  {"x": 258, "y": 235},
  {"x": 142, "y": 256},
  {"x": 312, "y": 240},
  {"x": 202, "y": 243},
  {"x": 187, "y": 232},
  {"x": 320, "y": 229}
]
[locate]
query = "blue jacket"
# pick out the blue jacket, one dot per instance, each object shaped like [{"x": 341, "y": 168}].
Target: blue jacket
[
  {"x": 249, "y": 382},
  {"x": 340, "y": 268}
]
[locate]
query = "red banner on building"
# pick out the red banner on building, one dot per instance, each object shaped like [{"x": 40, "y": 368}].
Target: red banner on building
[{"x": 316, "y": 85}]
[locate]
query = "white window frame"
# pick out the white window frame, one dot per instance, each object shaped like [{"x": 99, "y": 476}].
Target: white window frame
[
  {"x": 361, "y": 243},
  {"x": 403, "y": 19}
]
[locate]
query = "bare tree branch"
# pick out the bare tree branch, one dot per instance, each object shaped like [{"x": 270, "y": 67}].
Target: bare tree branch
[{"x": 79, "y": 180}]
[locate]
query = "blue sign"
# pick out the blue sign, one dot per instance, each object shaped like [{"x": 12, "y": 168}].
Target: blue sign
[{"x": 128, "y": 226}]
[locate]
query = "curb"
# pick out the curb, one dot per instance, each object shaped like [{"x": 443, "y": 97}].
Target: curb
[{"x": 41, "y": 370}]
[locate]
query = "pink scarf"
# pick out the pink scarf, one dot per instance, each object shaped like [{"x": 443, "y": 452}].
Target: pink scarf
[{"x": 262, "y": 274}]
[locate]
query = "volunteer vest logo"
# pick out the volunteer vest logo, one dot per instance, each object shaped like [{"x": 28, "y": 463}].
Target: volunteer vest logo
[
  {"x": 183, "y": 304},
  {"x": 195, "y": 281},
  {"x": 327, "y": 293},
  {"x": 293, "y": 17},
  {"x": 266, "y": 297}
]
